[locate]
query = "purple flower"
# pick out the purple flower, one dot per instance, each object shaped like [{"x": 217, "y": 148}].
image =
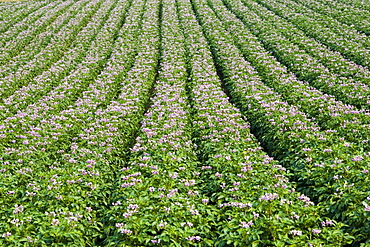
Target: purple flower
[
  {"x": 245, "y": 224},
  {"x": 18, "y": 209},
  {"x": 357, "y": 158},
  {"x": 54, "y": 222},
  {"x": 125, "y": 231},
  {"x": 193, "y": 238},
  {"x": 327, "y": 223},
  {"x": 269, "y": 196},
  {"x": 296, "y": 232},
  {"x": 367, "y": 207},
  {"x": 7, "y": 234}
]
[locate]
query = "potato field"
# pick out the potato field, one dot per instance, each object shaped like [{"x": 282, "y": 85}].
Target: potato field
[{"x": 224, "y": 123}]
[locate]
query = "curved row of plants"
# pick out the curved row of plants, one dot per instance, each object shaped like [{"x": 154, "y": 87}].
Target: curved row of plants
[
  {"x": 356, "y": 3},
  {"x": 305, "y": 67},
  {"x": 70, "y": 88},
  {"x": 122, "y": 119},
  {"x": 258, "y": 205},
  {"x": 74, "y": 186},
  {"x": 330, "y": 171},
  {"x": 332, "y": 60},
  {"x": 66, "y": 65},
  {"x": 48, "y": 48},
  {"x": 352, "y": 48},
  {"x": 12, "y": 14},
  {"x": 349, "y": 32},
  {"x": 30, "y": 27},
  {"x": 347, "y": 14},
  {"x": 25, "y": 16},
  {"x": 90, "y": 158},
  {"x": 350, "y": 123},
  {"x": 157, "y": 200},
  {"x": 42, "y": 39}
]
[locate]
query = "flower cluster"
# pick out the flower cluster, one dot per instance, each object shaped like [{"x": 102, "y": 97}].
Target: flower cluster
[{"x": 154, "y": 122}]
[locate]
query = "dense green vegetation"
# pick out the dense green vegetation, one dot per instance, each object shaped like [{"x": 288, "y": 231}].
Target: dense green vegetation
[{"x": 185, "y": 123}]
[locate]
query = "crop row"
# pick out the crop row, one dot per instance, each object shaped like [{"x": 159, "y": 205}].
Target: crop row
[
  {"x": 350, "y": 15},
  {"x": 29, "y": 27},
  {"x": 72, "y": 86},
  {"x": 166, "y": 196},
  {"x": 60, "y": 183},
  {"x": 328, "y": 31},
  {"x": 304, "y": 66},
  {"x": 68, "y": 64},
  {"x": 238, "y": 168},
  {"x": 47, "y": 48},
  {"x": 12, "y": 14},
  {"x": 357, "y": 4},
  {"x": 325, "y": 168},
  {"x": 349, "y": 122},
  {"x": 152, "y": 201},
  {"x": 333, "y": 61},
  {"x": 183, "y": 123}
]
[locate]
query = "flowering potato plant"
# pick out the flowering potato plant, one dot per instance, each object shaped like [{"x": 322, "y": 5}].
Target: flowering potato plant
[
  {"x": 346, "y": 120},
  {"x": 332, "y": 60},
  {"x": 184, "y": 123},
  {"x": 233, "y": 160},
  {"x": 283, "y": 127},
  {"x": 305, "y": 67},
  {"x": 329, "y": 31},
  {"x": 353, "y": 16}
]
